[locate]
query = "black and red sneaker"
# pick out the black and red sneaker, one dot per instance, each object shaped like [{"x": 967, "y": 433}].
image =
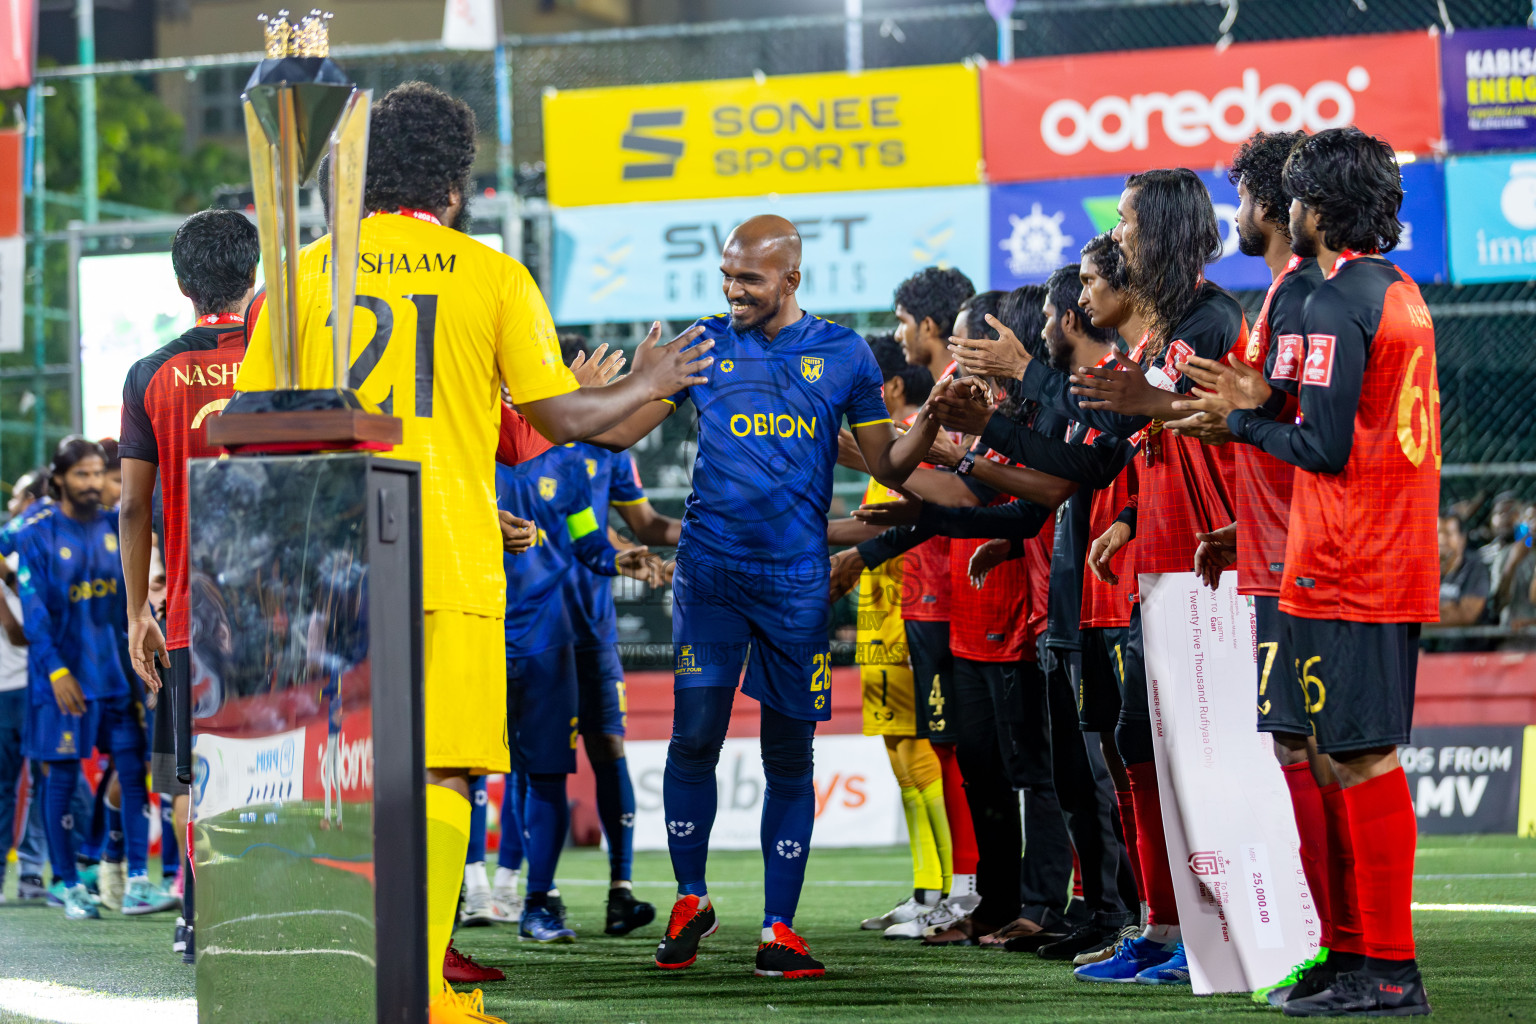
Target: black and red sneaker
[
  {"x": 1367, "y": 993},
  {"x": 690, "y": 923},
  {"x": 461, "y": 970},
  {"x": 786, "y": 956}
]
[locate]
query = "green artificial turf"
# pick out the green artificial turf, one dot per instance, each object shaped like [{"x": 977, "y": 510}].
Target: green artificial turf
[{"x": 1480, "y": 967}]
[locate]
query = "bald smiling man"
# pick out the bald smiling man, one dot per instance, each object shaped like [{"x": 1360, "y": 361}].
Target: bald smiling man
[{"x": 752, "y": 576}]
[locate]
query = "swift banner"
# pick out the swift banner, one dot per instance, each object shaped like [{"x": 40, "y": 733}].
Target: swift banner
[
  {"x": 857, "y": 804},
  {"x": 1190, "y": 106},
  {"x": 903, "y": 128},
  {"x": 1489, "y": 81},
  {"x": 1491, "y": 211},
  {"x": 662, "y": 260},
  {"x": 1037, "y": 226},
  {"x": 1244, "y": 907}
]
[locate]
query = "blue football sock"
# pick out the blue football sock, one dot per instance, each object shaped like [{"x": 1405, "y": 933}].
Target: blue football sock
[
  {"x": 58, "y": 821},
  {"x": 113, "y": 851},
  {"x": 95, "y": 831},
  {"x": 514, "y": 793},
  {"x": 476, "y": 854},
  {"x": 700, "y": 716},
  {"x": 616, "y": 810},
  {"x": 546, "y": 820},
  {"x": 170, "y": 842},
  {"x": 130, "y": 778},
  {"x": 789, "y": 811}
]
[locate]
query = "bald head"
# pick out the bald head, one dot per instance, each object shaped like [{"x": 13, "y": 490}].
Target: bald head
[
  {"x": 771, "y": 236},
  {"x": 760, "y": 271}
]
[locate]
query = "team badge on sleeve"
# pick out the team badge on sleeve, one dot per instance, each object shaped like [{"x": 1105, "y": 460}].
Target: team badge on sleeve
[
  {"x": 810, "y": 368},
  {"x": 1288, "y": 356},
  {"x": 1319, "y": 365}
]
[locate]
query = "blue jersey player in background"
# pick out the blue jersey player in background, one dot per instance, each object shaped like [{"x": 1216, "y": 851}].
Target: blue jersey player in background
[
  {"x": 554, "y": 492},
  {"x": 75, "y": 617},
  {"x": 752, "y": 572},
  {"x": 601, "y": 703}
]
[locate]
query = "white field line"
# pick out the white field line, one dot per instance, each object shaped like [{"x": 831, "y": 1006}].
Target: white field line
[
  {"x": 1478, "y": 908},
  {"x": 66, "y": 1005}
]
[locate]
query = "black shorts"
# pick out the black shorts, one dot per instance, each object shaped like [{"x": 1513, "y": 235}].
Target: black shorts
[
  {"x": 1122, "y": 647},
  {"x": 1095, "y": 686},
  {"x": 1358, "y": 680},
  {"x": 933, "y": 673},
  {"x": 172, "y": 702},
  {"x": 1282, "y": 703}
]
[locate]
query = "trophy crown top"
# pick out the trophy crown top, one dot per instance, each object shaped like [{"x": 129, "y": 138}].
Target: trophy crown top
[
  {"x": 313, "y": 38},
  {"x": 279, "y": 34}
]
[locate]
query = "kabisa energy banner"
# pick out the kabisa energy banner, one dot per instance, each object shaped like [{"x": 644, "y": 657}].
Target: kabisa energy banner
[
  {"x": 1489, "y": 81},
  {"x": 895, "y": 128},
  {"x": 1246, "y": 913}
]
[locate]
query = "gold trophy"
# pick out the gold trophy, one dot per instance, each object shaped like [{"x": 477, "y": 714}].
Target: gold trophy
[{"x": 300, "y": 106}]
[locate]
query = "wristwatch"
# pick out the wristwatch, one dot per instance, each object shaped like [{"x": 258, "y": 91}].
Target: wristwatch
[{"x": 966, "y": 464}]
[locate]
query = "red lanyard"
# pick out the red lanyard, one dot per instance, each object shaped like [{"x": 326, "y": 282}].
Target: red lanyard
[
  {"x": 430, "y": 218},
  {"x": 215, "y": 319},
  {"x": 1351, "y": 254}
]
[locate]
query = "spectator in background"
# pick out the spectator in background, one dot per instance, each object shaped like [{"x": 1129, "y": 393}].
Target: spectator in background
[
  {"x": 1463, "y": 576},
  {"x": 1519, "y": 584},
  {"x": 1499, "y": 553}
]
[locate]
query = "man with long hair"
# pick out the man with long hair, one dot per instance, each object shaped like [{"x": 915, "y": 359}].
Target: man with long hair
[
  {"x": 1277, "y": 347},
  {"x": 466, "y": 319},
  {"x": 1169, "y": 234},
  {"x": 1361, "y": 558}
]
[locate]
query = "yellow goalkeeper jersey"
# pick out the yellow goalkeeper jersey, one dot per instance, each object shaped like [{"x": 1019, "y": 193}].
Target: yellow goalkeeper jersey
[
  {"x": 440, "y": 322},
  {"x": 882, "y": 635}
]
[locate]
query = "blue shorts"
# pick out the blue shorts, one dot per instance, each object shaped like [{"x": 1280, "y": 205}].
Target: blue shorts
[
  {"x": 111, "y": 724},
  {"x": 541, "y": 711},
  {"x": 601, "y": 703},
  {"x": 774, "y": 625}
]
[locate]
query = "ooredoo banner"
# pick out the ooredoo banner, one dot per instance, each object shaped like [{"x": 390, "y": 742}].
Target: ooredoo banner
[
  {"x": 892, "y": 128},
  {"x": 1244, "y": 906},
  {"x": 1490, "y": 89},
  {"x": 1109, "y": 113}
]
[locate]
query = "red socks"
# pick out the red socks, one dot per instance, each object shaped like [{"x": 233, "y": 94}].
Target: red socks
[
  {"x": 1152, "y": 847},
  {"x": 1343, "y": 899},
  {"x": 962, "y": 835},
  {"x": 1385, "y": 830},
  {"x": 1312, "y": 828},
  {"x": 1128, "y": 833}
]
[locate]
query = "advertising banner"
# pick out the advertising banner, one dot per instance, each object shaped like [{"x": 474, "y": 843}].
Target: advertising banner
[
  {"x": 1037, "y": 226},
  {"x": 662, "y": 260},
  {"x": 1489, "y": 82},
  {"x": 1491, "y": 212},
  {"x": 1244, "y": 906},
  {"x": 1465, "y": 778},
  {"x": 857, "y": 800},
  {"x": 230, "y": 772},
  {"x": 899, "y": 128},
  {"x": 1107, "y": 113}
]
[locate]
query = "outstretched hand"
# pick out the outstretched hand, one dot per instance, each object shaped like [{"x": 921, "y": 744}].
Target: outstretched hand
[
  {"x": 598, "y": 368},
  {"x": 1122, "y": 388},
  {"x": 679, "y": 364},
  {"x": 1002, "y": 356}
]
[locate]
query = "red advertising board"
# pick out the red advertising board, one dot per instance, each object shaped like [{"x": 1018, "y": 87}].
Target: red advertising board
[{"x": 1110, "y": 113}]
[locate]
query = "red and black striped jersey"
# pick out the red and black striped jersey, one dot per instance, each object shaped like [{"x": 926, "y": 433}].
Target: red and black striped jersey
[
  {"x": 1362, "y": 543},
  {"x": 1276, "y": 345},
  {"x": 167, "y": 399}
]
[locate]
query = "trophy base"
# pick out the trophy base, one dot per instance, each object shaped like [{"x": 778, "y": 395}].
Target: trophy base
[{"x": 264, "y": 422}]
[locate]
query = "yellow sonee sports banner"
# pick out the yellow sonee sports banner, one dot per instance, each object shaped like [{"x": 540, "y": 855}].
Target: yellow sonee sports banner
[{"x": 898, "y": 128}]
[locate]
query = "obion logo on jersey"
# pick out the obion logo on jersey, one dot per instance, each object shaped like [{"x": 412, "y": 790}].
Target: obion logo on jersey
[{"x": 1191, "y": 106}]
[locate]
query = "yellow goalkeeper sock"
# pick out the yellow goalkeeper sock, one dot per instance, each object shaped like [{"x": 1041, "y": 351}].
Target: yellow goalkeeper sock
[{"x": 447, "y": 844}]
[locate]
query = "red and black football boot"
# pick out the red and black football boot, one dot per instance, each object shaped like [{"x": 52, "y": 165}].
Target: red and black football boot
[
  {"x": 786, "y": 956},
  {"x": 461, "y": 970},
  {"x": 689, "y": 924}
]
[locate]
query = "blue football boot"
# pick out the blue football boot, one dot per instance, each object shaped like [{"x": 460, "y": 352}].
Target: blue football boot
[
  {"x": 1132, "y": 956},
  {"x": 542, "y": 925}
]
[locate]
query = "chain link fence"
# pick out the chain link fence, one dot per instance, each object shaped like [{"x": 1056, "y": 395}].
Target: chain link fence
[{"x": 1484, "y": 333}]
